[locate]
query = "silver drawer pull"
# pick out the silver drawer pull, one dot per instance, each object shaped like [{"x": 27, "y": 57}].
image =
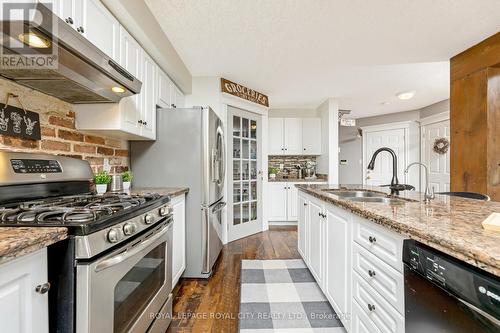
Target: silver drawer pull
[
  {"x": 43, "y": 288},
  {"x": 372, "y": 239},
  {"x": 371, "y": 307},
  {"x": 371, "y": 273}
]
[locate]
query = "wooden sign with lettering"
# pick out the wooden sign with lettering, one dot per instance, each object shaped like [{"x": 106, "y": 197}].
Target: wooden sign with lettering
[
  {"x": 19, "y": 123},
  {"x": 243, "y": 92}
]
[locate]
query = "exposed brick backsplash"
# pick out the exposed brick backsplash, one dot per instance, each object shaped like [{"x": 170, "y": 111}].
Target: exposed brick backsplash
[
  {"x": 59, "y": 133},
  {"x": 289, "y": 163}
]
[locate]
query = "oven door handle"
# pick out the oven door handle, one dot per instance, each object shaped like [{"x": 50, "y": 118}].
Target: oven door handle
[{"x": 130, "y": 252}]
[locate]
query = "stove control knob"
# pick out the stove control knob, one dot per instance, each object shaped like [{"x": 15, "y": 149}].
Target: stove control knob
[
  {"x": 164, "y": 211},
  {"x": 148, "y": 219},
  {"x": 129, "y": 228},
  {"x": 115, "y": 235}
]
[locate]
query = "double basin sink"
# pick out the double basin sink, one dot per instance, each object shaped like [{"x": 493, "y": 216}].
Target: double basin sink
[{"x": 365, "y": 196}]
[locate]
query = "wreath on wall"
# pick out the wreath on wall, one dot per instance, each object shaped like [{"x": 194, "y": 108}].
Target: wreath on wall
[{"x": 441, "y": 146}]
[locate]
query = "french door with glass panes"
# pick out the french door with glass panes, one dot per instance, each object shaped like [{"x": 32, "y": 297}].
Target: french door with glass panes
[{"x": 245, "y": 208}]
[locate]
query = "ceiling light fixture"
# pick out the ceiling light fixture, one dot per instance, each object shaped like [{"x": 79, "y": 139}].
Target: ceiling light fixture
[
  {"x": 119, "y": 90},
  {"x": 34, "y": 40},
  {"x": 404, "y": 95}
]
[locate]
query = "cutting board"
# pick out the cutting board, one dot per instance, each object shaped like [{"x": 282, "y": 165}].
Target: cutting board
[{"x": 492, "y": 222}]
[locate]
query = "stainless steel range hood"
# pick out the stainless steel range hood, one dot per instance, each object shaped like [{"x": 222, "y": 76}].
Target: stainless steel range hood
[{"x": 83, "y": 74}]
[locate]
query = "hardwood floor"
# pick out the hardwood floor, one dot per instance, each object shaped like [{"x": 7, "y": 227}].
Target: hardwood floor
[{"x": 213, "y": 305}]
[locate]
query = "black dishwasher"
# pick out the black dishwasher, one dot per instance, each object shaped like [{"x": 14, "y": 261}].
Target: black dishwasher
[{"x": 443, "y": 294}]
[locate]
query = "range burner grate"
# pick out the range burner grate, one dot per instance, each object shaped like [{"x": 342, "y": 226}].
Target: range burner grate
[{"x": 72, "y": 209}]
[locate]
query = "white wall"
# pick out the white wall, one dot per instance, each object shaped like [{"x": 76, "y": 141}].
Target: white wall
[
  {"x": 351, "y": 147},
  {"x": 328, "y": 161}
]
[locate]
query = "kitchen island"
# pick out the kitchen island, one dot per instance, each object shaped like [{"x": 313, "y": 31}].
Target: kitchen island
[{"x": 352, "y": 239}]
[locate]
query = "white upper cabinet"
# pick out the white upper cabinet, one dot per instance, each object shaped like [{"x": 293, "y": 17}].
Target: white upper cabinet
[
  {"x": 164, "y": 88},
  {"x": 148, "y": 96},
  {"x": 294, "y": 136},
  {"x": 68, "y": 10},
  {"x": 276, "y": 146},
  {"x": 311, "y": 136},
  {"x": 131, "y": 59},
  {"x": 100, "y": 27},
  {"x": 177, "y": 97}
]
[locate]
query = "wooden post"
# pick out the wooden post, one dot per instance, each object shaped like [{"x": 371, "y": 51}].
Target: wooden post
[{"x": 475, "y": 119}]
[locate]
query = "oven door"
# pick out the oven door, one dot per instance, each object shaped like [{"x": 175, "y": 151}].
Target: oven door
[{"x": 126, "y": 290}]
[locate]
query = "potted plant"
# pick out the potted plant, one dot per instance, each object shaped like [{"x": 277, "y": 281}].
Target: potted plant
[
  {"x": 273, "y": 172},
  {"x": 127, "y": 178},
  {"x": 101, "y": 180}
]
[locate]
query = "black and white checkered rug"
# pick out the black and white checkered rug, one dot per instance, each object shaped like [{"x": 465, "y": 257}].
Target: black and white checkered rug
[{"x": 282, "y": 296}]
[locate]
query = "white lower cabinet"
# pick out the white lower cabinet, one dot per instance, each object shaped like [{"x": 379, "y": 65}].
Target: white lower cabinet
[
  {"x": 302, "y": 226},
  {"x": 283, "y": 201},
  {"x": 356, "y": 263},
  {"x": 337, "y": 249},
  {"x": 178, "y": 238},
  {"x": 315, "y": 237},
  {"x": 360, "y": 321},
  {"x": 23, "y": 307}
]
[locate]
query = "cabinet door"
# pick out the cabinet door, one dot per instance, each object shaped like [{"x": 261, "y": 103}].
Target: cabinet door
[
  {"x": 100, "y": 27},
  {"x": 293, "y": 136},
  {"x": 164, "y": 86},
  {"x": 311, "y": 136},
  {"x": 337, "y": 251},
  {"x": 276, "y": 146},
  {"x": 302, "y": 227},
  {"x": 315, "y": 241},
  {"x": 277, "y": 201},
  {"x": 179, "y": 238},
  {"x": 292, "y": 202},
  {"x": 23, "y": 310},
  {"x": 148, "y": 94},
  {"x": 66, "y": 10},
  {"x": 131, "y": 60}
]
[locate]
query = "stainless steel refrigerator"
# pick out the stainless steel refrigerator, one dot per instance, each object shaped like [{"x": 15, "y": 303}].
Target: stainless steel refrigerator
[{"x": 189, "y": 151}]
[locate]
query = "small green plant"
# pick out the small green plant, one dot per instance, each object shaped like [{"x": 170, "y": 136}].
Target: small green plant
[
  {"x": 127, "y": 176},
  {"x": 102, "y": 178},
  {"x": 273, "y": 171}
]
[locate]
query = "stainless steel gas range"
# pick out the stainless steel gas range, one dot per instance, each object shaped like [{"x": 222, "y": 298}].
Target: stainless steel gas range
[{"x": 113, "y": 273}]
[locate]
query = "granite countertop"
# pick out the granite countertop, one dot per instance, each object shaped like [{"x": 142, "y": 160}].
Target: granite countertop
[
  {"x": 172, "y": 191},
  {"x": 449, "y": 224},
  {"x": 18, "y": 241},
  {"x": 296, "y": 180}
]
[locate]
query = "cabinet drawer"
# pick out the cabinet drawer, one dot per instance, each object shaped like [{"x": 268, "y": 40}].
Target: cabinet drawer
[
  {"x": 360, "y": 322},
  {"x": 380, "y": 241},
  {"x": 380, "y": 276},
  {"x": 382, "y": 314}
]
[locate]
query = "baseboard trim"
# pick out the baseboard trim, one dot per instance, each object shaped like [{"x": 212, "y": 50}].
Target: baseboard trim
[{"x": 282, "y": 223}]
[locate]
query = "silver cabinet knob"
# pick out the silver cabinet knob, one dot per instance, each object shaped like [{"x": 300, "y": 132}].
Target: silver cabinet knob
[
  {"x": 115, "y": 235},
  {"x": 371, "y": 273},
  {"x": 129, "y": 228},
  {"x": 80, "y": 30},
  {"x": 371, "y": 307},
  {"x": 372, "y": 239},
  {"x": 43, "y": 288},
  {"x": 69, "y": 20},
  {"x": 148, "y": 219}
]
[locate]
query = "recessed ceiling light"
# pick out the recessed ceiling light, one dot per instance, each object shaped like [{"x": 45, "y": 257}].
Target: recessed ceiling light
[
  {"x": 34, "y": 40},
  {"x": 404, "y": 95},
  {"x": 119, "y": 90}
]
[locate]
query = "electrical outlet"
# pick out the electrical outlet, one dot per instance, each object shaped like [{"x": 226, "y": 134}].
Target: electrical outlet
[{"x": 106, "y": 166}]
